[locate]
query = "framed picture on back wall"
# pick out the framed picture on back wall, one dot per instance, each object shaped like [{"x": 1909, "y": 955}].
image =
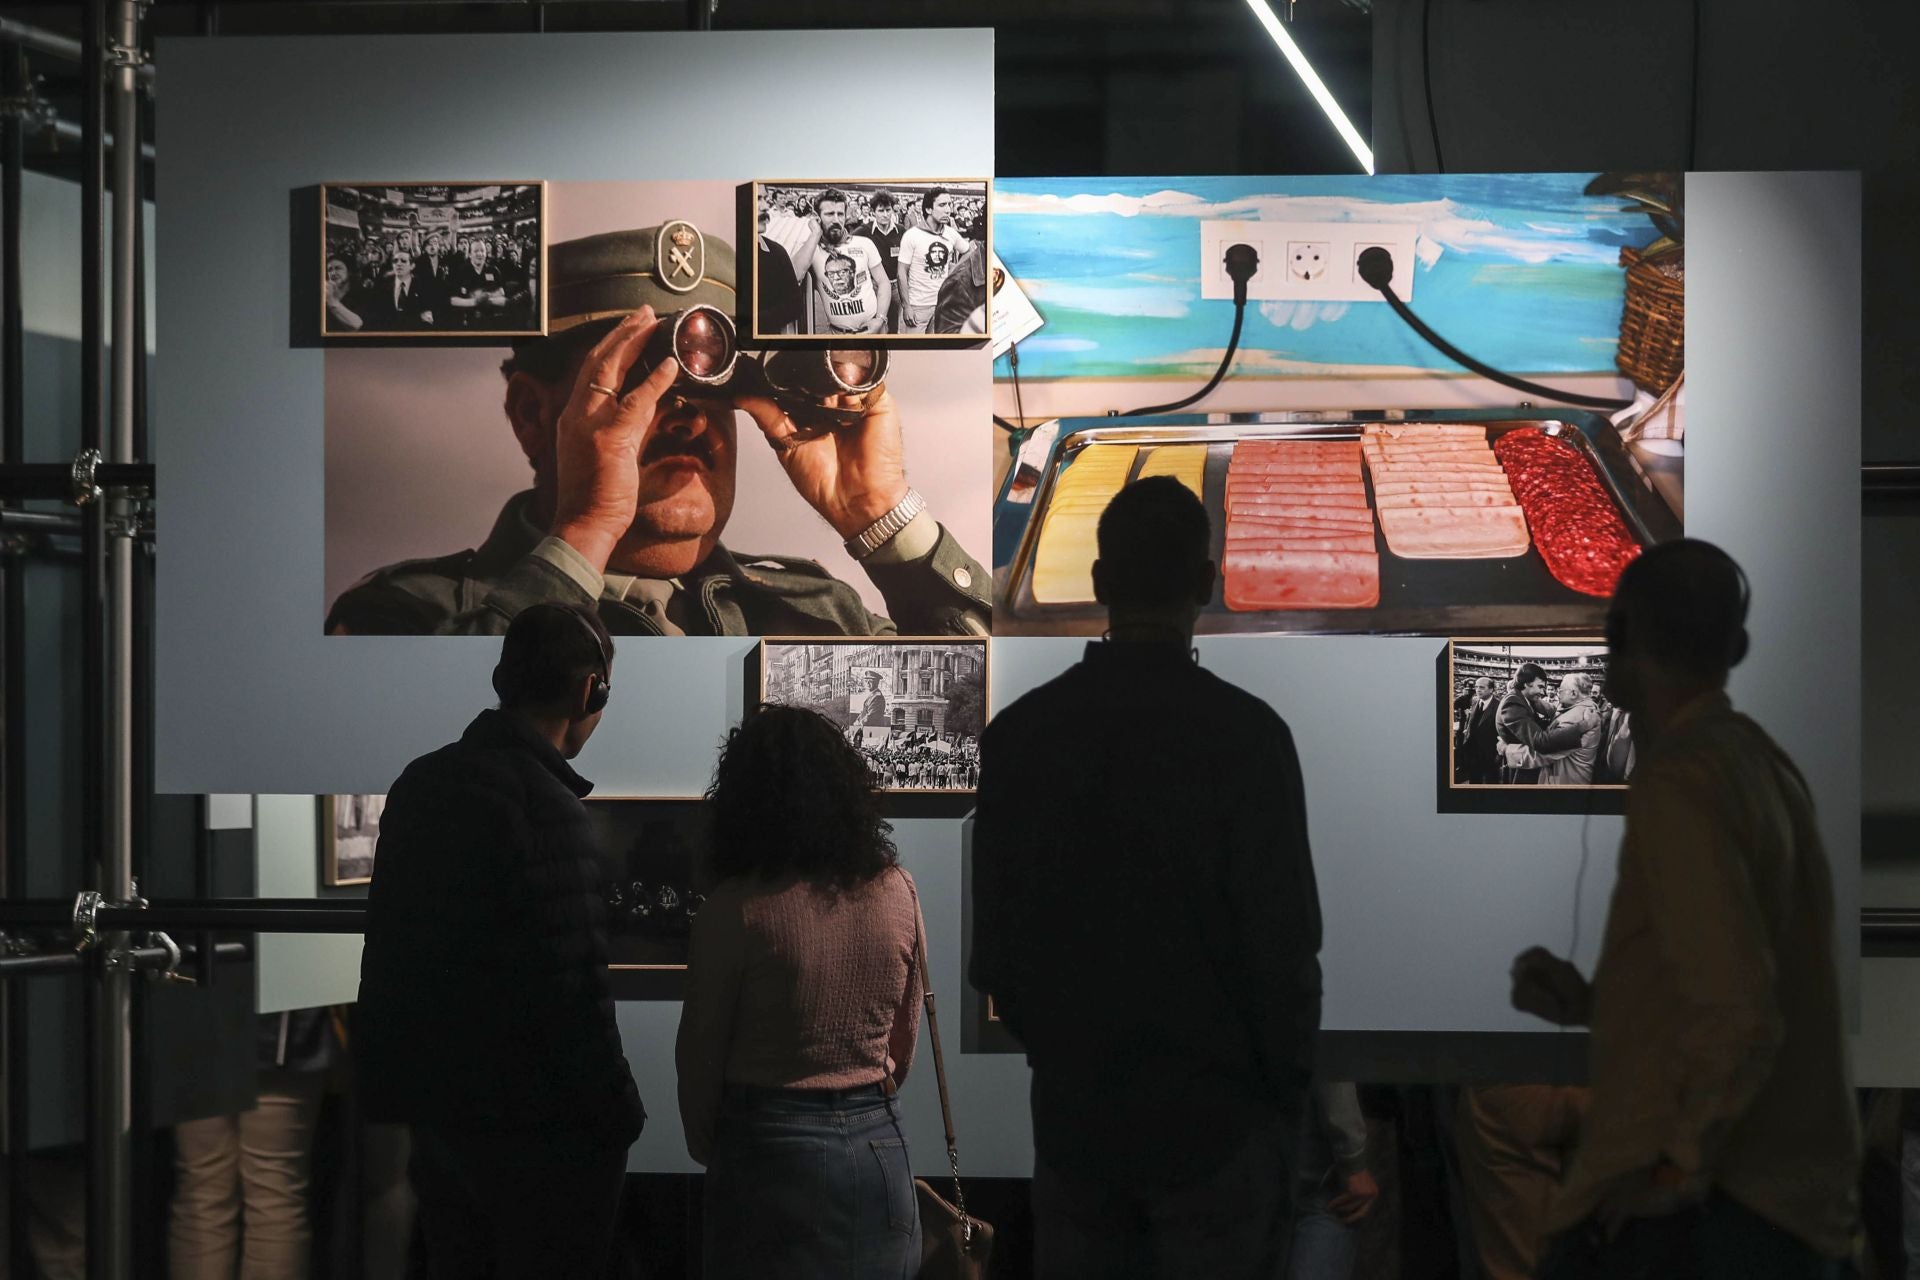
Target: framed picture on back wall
[
  {"x": 897, "y": 261},
  {"x": 913, "y": 707},
  {"x": 443, "y": 260}
]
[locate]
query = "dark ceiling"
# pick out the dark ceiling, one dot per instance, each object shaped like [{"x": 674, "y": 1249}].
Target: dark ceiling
[{"x": 1083, "y": 86}]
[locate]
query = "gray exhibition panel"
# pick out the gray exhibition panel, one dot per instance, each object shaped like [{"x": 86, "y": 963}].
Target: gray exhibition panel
[
  {"x": 1423, "y": 911},
  {"x": 251, "y": 697}
]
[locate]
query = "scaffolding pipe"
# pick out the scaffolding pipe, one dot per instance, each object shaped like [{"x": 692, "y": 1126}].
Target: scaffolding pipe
[
  {"x": 13, "y": 662},
  {"x": 54, "y": 480},
  {"x": 52, "y": 43},
  {"x": 143, "y": 959},
  {"x": 249, "y": 915}
]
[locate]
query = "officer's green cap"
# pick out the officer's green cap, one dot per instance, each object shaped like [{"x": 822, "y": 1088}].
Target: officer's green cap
[{"x": 668, "y": 267}]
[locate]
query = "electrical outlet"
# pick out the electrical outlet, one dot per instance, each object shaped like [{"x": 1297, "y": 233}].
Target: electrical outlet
[
  {"x": 1401, "y": 276},
  {"x": 1306, "y": 261}
]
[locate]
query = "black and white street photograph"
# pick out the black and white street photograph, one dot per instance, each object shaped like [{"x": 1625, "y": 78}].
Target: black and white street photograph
[
  {"x": 1534, "y": 715},
  {"x": 350, "y": 829},
  {"x": 902, "y": 259},
  {"x": 408, "y": 259},
  {"x": 652, "y": 855},
  {"x": 914, "y": 708}
]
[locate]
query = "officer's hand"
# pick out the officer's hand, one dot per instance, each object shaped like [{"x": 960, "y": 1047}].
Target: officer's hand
[
  {"x": 851, "y": 475},
  {"x": 596, "y": 445},
  {"x": 1548, "y": 987}
]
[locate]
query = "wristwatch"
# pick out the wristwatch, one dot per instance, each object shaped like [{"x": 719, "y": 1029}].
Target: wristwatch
[{"x": 871, "y": 538}]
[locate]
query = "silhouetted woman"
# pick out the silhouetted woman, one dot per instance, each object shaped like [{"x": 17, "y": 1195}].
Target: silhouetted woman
[{"x": 802, "y": 1008}]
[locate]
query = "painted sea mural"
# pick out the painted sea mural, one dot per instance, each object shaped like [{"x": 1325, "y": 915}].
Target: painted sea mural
[{"x": 1520, "y": 270}]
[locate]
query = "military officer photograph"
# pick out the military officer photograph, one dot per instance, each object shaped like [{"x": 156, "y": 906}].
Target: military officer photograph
[{"x": 462, "y": 487}]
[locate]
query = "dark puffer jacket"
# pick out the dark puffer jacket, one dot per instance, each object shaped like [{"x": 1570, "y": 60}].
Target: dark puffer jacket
[{"x": 483, "y": 989}]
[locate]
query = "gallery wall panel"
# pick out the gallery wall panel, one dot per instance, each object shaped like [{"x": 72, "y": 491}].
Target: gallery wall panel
[{"x": 251, "y": 697}]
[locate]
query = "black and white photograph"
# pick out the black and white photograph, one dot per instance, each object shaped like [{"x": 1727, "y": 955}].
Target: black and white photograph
[
  {"x": 1534, "y": 715},
  {"x": 652, "y": 858},
  {"x": 349, "y": 830},
  {"x": 411, "y": 259},
  {"x": 899, "y": 259},
  {"x": 913, "y": 707}
]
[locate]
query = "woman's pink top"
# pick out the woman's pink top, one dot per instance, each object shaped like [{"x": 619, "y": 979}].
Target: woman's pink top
[{"x": 797, "y": 987}]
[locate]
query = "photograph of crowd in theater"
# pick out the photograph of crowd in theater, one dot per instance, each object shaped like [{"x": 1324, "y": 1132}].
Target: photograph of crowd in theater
[
  {"x": 1525, "y": 715},
  {"x": 913, "y": 707},
  {"x": 905, "y": 259},
  {"x": 411, "y": 258}
]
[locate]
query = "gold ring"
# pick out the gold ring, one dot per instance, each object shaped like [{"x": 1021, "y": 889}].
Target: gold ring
[{"x": 605, "y": 391}]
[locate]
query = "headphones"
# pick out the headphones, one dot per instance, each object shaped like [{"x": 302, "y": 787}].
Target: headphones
[
  {"x": 1737, "y": 642},
  {"x": 601, "y": 691}
]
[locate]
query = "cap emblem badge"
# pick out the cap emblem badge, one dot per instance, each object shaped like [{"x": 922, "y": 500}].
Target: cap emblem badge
[{"x": 680, "y": 256}]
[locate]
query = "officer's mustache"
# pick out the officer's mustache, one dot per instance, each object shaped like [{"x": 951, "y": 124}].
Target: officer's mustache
[{"x": 671, "y": 439}]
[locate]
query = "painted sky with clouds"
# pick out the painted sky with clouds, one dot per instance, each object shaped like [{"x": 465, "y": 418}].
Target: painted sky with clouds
[{"x": 1520, "y": 270}]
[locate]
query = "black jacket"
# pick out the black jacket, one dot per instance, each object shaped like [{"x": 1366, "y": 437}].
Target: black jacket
[
  {"x": 483, "y": 988},
  {"x": 1145, "y": 914}
]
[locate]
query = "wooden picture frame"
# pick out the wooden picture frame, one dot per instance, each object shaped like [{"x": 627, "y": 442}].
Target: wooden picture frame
[
  {"x": 349, "y": 832},
  {"x": 654, "y": 853},
  {"x": 344, "y": 204},
  {"x": 971, "y": 199},
  {"x": 1498, "y": 659},
  {"x": 929, "y": 718}
]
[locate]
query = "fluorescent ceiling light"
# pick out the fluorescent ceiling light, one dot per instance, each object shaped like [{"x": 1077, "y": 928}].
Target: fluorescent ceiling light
[{"x": 1311, "y": 78}]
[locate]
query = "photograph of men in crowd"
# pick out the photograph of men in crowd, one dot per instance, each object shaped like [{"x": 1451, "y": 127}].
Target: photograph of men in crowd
[
  {"x": 1534, "y": 715},
  {"x": 859, "y": 249},
  {"x": 406, "y": 258},
  {"x": 637, "y": 461},
  {"x": 914, "y": 708}
]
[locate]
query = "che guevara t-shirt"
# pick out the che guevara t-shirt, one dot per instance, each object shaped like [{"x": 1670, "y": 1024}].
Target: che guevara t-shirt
[{"x": 930, "y": 255}]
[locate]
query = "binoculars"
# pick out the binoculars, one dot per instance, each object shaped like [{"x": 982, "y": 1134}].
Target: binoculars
[{"x": 816, "y": 387}]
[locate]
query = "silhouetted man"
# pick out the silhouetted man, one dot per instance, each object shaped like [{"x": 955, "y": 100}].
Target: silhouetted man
[
  {"x": 1147, "y": 923},
  {"x": 484, "y": 1019},
  {"x": 1722, "y": 1140}
]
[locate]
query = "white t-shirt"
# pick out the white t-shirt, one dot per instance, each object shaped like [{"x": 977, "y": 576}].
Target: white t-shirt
[
  {"x": 931, "y": 255},
  {"x": 844, "y": 275}
]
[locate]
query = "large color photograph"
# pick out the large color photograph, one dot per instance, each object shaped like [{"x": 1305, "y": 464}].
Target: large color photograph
[
  {"x": 754, "y": 495},
  {"x": 1333, "y": 512}
]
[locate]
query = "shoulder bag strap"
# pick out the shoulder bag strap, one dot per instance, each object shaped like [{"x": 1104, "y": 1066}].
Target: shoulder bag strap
[{"x": 940, "y": 1074}]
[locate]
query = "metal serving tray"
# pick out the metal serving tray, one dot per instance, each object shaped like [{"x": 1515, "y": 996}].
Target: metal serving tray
[{"x": 1515, "y": 596}]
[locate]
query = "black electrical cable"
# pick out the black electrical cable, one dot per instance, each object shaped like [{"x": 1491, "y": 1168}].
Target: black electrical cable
[
  {"x": 1013, "y": 363},
  {"x": 1376, "y": 268},
  {"x": 1233, "y": 344},
  {"x": 1426, "y": 79},
  {"x": 1241, "y": 262},
  {"x": 1003, "y": 424}
]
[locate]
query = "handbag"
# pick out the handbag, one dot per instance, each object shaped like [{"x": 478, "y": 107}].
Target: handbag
[{"x": 955, "y": 1245}]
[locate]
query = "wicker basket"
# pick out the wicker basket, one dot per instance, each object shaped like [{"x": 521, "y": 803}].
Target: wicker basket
[{"x": 1653, "y": 325}]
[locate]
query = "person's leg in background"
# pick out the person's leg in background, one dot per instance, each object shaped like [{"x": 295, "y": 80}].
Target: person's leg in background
[
  {"x": 275, "y": 1145},
  {"x": 1513, "y": 1141},
  {"x": 203, "y": 1229}
]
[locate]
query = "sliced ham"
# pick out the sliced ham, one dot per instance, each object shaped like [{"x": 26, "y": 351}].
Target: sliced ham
[{"x": 1288, "y": 579}]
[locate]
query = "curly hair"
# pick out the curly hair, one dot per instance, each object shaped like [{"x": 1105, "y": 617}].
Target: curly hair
[{"x": 791, "y": 796}]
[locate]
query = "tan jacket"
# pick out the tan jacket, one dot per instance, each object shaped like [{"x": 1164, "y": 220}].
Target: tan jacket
[{"x": 1718, "y": 1044}]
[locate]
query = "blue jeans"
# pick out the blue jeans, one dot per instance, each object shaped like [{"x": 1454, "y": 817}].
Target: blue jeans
[
  {"x": 810, "y": 1183},
  {"x": 1229, "y": 1225},
  {"x": 1323, "y": 1248}
]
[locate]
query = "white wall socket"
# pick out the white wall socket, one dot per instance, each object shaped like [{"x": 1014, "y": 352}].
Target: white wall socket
[{"x": 1306, "y": 261}]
